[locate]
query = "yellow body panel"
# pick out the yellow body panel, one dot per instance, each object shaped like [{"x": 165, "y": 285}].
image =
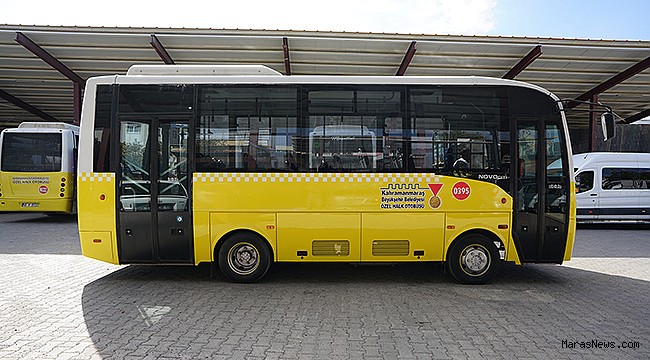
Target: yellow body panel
[
  {"x": 203, "y": 243},
  {"x": 511, "y": 253},
  {"x": 98, "y": 245},
  {"x": 571, "y": 234},
  {"x": 348, "y": 217},
  {"x": 425, "y": 232},
  {"x": 318, "y": 217},
  {"x": 96, "y": 204},
  {"x": 336, "y": 236},
  {"x": 37, "y": 191}
]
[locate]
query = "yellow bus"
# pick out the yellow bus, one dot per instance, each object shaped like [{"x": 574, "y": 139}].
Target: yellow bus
[
  {"x": 242, "y": 167},
  {"x": 37, "y": 167}
]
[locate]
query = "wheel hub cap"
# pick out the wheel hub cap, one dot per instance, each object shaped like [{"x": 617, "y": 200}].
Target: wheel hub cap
[
  {"x": 243, "y": 259},
  {"x": 475, "y": 260}
]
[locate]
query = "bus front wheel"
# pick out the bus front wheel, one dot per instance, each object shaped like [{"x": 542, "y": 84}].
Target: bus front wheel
[
  {"x": 473, "y": 259},
  {"x": 244, "y": 258}
]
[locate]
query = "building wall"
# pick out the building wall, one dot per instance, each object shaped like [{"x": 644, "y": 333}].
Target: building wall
[{"x": 629, "y": 138}]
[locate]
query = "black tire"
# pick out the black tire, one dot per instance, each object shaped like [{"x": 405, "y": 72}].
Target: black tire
[
  {"x": 244, "y": 258},
  {"x": 473, "y": 259}
]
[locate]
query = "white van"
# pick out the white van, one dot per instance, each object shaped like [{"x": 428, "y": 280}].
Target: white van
[{"x": 612, "y": 186}]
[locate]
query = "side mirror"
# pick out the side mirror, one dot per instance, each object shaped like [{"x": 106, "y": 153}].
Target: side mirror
[{"x": 607, "y": 123}]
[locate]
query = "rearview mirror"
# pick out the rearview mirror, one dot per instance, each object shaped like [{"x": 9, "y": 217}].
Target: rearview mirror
[{"x": 607, "y": 123}]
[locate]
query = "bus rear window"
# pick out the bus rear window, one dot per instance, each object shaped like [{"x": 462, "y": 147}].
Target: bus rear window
[{"x": 31, "y": 152}]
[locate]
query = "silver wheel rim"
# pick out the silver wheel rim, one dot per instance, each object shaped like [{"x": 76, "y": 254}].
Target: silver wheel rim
[
  {"x": 475, "y": 260},
  {"x": 243, "y": 258}
]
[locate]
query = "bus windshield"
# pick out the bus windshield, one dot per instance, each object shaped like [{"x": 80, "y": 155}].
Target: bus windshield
[{"x": 31, "y": 152}]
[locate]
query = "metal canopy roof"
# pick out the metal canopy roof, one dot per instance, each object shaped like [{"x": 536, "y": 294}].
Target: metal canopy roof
[{"x": 617, "y": 71}]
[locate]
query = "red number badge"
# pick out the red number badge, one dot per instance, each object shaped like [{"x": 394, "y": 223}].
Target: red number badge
[{"x": 461, "y": 190}]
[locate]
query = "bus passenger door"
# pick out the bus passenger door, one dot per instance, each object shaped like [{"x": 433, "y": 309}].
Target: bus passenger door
[
  {"x": 526, "y": 198},
  {"x": 173, "y": 197},
  {"x": 541, "y": 204},
  {"x": 154, "y": 219}
]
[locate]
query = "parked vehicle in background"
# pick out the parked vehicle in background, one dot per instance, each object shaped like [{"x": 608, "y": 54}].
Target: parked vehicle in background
[
  {"x": 38, "y": 167},
  {"x": 612, "y": 186}
]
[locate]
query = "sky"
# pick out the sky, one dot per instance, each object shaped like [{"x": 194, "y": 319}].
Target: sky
[{"x": 591, "y": 19}]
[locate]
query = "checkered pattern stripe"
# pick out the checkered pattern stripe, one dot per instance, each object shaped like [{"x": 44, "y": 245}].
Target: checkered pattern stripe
[
  {"x": 99, "y": 177},
  {"x": 315, "y": 177}
]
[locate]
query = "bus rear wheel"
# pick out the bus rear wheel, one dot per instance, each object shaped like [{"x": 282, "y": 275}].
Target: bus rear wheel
[
  {"x": 244, "y": 258},
  {"x": 473, "y": 259}
]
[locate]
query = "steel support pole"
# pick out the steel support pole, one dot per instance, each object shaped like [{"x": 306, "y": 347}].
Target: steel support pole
[
  {"x": 27, "y": 107},
  {"x": 616, "y": 79},
  {"x": 287, "y": 60},
  {"x": 78, "y": 97},
  {"x": 406, "y": 61},
  {"x": 593, "y": 123},
  {"x": 643, "y": 114},
  {"x": 160, "y": 50},
  {"x": 57, "y": 65},
  {"x": 524, "y": 62}
]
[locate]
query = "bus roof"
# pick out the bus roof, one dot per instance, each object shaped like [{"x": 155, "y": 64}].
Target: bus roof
[
  {"x": 260, "y": 74},
  {"x": 48, "y": 125},
  {"x": 194, "y": 70}
]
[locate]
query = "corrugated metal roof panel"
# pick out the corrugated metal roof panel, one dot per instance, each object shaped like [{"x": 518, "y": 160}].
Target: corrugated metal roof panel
[{"x": 567, "y": 67}]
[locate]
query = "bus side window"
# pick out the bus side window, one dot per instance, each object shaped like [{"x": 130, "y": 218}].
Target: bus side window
[{"x": 102, "y": 128}]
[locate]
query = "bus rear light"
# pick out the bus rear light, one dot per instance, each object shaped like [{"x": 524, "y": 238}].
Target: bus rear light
[
  {"x": 62, "y": 179},
  {"x": 451, "y": 227},
  {"x": 504, "y": 200},
  {"x": 62, "y": 184},
  {"x": 270, "y": 227},
  {"x": 97, "y": 241},
  {"x": 102, "y": 197},
  {"x": 503, "y": 226}
]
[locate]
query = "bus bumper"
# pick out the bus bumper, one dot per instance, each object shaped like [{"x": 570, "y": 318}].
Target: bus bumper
[{"x": 63, "y": 205}]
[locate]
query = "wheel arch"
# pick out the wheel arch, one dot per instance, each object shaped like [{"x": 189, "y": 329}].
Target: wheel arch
[
  {"x": 221, "y": 240},
  {"x": 476, "y": 231}
]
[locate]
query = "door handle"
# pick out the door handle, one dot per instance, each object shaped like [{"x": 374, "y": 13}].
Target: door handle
[{"x": 593, "y": 194}]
